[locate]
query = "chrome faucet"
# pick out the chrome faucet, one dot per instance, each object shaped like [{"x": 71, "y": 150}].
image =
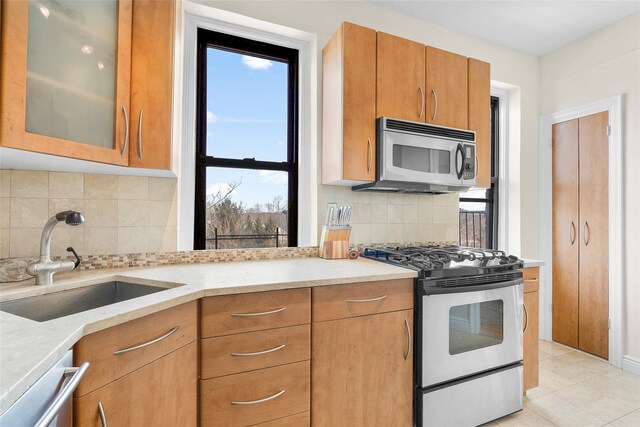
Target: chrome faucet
[{"x": 45, "y": 268}]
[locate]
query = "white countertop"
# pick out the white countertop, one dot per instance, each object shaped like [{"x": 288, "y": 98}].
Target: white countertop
[
  {"x": 532, "y": 262},
  {"x": 29, "y": 348}
]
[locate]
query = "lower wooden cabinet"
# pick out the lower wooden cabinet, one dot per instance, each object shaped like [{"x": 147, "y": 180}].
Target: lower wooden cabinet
[
  {"x": 531, "y": 333},
  {"x": 162, "y": 393},
  {"x": 362, "y": 371},
  {"x": 253, "y": 397}
]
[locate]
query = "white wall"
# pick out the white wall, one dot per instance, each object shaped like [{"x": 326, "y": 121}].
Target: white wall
[
  {"x": 508, "y": 66},
  {"x": 601, "y": 65}
]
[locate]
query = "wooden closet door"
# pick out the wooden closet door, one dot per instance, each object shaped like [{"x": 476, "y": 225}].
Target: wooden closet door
[
  {"x": 400, "y": 91},
  {"x": 565, "y": 233},
  {"x": 593, "y": 335}
]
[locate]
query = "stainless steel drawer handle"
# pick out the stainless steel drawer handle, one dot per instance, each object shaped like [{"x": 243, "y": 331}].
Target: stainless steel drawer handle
[
  {"x": 76, "y": 375},
  {"x": 126, "y": 131},
  {"x": 526, "y": 318},
  {"x": 266, "y": 399},
  {"x": 264, "y": 313},
  {"x": 406, "y": 323},
  {"x": 586, "y": 237},
  {"x": 258, "y": 353},
  {"x": 147, "y": 344},
  {"x": 370, "y": 155},
  {"x": 421, "y": 101},
  {"x": 572, "y": 233},
  {"x": 531, "y": 280},
  {"x": 435, "y": 104},
  {"x": 368, "y": 300},
  {"x": 103, "y": 417},
  {"x": 140, "y": 136}
]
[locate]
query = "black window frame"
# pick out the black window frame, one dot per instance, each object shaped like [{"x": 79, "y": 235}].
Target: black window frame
[
  {"x": 492, "y": 193},
  {"x": 212, "y": 39}
]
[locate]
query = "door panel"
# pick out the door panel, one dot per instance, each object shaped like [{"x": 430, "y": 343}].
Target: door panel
[
  {"x": 480, "y": 117},
  {"x": 400, "y": 78},
  {"x": 359, "y": 103},
  {"x": 565, "y": 235},
  {"x": 594, "y": 235},
  {"x": 446, "y": 92},
  {"x": 362, "y": 371}
]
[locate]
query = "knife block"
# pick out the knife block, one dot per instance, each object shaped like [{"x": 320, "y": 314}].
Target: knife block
[{"x": 334, "y": 242}]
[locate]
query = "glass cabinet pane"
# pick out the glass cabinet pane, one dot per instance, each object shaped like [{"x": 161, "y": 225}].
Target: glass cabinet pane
[{"x": 71, "y": 70}]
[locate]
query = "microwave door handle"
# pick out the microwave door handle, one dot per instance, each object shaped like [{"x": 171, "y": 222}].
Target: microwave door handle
[{"x": 459, "y": 167}]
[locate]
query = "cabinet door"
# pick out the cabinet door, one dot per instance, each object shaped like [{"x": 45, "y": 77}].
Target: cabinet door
[
  {"x": 400, "y": 78},
  {"x": 349, "y": 105},
  {"x": 446, "y": 79},
  {"x": 565, "y": 233},
  {"x": 480, "y": 118},
  {"x": 162, "y": 393},
  {"x": 530, "y": 345},
  {"x": 151, "y": 83},
  {"x": 361, "y": 371},
  {"x": 593, "y": 330},
  {"x": 65, "y": 78}
]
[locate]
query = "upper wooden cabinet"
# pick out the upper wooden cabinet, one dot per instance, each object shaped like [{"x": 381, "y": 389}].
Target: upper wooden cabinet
[
  {"x": 151, "y": 83},
  {"x": 446, "y": 88},
  {"x": 480, "y": 117},
  {"x": 400, "y": 84},
  {"x": 349, "y": 106},
  {"x": 401, "y": 79},
  {"x": 74, "y": 80}
]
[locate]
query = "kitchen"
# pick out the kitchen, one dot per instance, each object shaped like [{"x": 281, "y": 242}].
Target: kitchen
[{"x": 229, "y": 326}]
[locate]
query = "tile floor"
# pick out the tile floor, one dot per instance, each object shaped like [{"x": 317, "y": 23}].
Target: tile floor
[{"x": 578, "y": 390}]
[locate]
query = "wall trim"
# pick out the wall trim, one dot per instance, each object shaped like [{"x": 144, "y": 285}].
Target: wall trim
[
  {"x": 614, "y": 105},
  {"x": 196, "y": 16},
  {"x": 631, "y": 364},
  {"x": 503, "y": 164}
]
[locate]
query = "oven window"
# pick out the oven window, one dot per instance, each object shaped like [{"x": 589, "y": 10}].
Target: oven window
[
  {"x": 475, "y": 326},
  {"x": 421, "y": 159}
]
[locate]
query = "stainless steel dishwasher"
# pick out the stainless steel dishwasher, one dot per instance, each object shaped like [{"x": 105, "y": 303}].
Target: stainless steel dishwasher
[{"x": 48, "y": 401}]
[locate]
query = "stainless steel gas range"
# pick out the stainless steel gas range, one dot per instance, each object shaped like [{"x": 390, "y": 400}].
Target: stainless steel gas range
[{"x": 468, "y": 332}]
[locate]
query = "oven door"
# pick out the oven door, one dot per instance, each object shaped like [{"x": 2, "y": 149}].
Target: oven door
[
  {"x": 465, "y": 333},
  {"x": 425, "y": 159}
]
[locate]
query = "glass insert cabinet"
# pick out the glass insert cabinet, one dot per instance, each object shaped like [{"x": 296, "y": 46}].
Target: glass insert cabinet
[{"x": 90, "y": 80}]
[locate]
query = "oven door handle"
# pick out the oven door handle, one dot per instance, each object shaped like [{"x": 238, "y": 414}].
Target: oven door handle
[{"x": 471, "y": 288}]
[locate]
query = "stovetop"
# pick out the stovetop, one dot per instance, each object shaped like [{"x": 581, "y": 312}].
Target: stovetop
[{"x": 446, "y": 261}]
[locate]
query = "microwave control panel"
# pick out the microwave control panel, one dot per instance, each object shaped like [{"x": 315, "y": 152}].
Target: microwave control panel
[{"x": 469, "y": 164}]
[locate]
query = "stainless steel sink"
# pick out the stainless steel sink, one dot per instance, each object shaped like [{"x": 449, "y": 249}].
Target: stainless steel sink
[{"x": 64, "y": 303}]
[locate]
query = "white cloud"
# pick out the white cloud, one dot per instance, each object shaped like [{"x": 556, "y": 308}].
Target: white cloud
[
  {"x": 273, "y": 177},
  {"x": 221, "y": 188},
  {"x": 256, "y": 63},
  {"x": 211, "y": 118}
]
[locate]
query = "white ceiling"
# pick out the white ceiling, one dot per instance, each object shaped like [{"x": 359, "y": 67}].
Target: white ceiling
[{"x": 535, "y": 27}]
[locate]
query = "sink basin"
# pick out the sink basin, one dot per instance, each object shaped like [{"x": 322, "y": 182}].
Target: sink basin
[{"x": 64, "y": 303}]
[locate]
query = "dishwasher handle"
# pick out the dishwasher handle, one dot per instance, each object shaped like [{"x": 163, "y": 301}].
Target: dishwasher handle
[{"x": 65, "y": 393}]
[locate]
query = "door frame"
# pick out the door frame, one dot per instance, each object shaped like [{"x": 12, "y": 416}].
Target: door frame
[{"x": 614, "y": 105}]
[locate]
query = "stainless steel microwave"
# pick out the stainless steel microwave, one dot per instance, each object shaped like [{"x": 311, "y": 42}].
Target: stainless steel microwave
[{"x": 422, "y": 158}]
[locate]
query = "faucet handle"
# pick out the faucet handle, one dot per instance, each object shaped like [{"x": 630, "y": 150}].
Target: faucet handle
[{"x": 78, "y": 259}]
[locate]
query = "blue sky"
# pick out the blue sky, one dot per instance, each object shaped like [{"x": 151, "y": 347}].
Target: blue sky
[{"x": 246, "y": 117}]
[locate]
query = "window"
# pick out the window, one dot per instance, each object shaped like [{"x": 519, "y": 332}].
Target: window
[
  {"x": 479, "y": 206},
  {"x": 247, "y": 152}
]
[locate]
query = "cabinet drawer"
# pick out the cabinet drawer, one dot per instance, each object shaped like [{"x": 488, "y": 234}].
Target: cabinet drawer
[
  {"x": 162, "y": 393},
  {"x": 232, "y": 354},
  {"x": 298, "y": 420},
  {"x": 121, "y": 349},
  {"x": 531, "y": 278},
  {"x": 255, "y": 397},
  {"x": 232, "y": 314},
  {"x": 361, "y": 299}
]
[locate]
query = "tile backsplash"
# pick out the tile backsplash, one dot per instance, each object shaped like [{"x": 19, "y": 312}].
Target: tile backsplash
[
  {"x": 389, "y": 218},
  {"x": 123, "y": 214}
]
